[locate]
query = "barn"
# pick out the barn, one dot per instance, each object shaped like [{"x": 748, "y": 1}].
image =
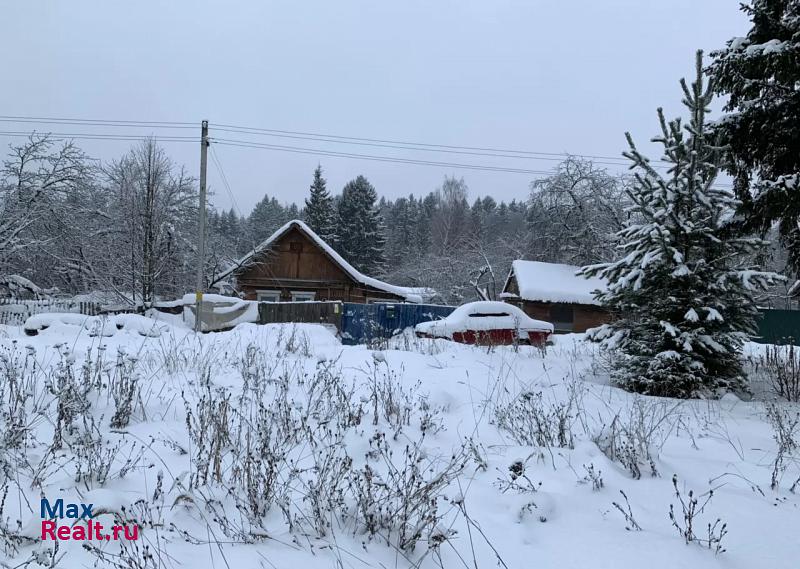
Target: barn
[
  {"x": 294, "y": 264},
  {"x": 553, "y": 292}
]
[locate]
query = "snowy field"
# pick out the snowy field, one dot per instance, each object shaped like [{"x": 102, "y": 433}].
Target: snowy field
[{"x": 276, "y": 446}]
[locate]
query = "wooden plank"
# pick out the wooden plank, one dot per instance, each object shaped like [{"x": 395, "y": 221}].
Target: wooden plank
[{"x": 300, "y": 312}]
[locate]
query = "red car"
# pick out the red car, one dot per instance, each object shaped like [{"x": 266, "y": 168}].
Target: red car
[{"x": 487, "y": 323}]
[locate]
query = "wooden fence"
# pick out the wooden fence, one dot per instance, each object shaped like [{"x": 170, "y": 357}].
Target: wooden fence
[
  {"x": 14, "y": 312},
  {"x": 304, "y": 312}
]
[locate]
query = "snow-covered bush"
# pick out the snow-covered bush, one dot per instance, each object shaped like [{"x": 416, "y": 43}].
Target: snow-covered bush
[
  {"x": 627, "y": 512},
  {"x": 71, "y": 393},
  {"x": 284, "y": 444},
  {"x": 781, "y": 364},
  {"x": 132, "y": 555},
  {"x": 124, "y": 387},
  {"x": 593, "y": 476},
  {"x": 94, "y": 455},
  {"x": 20, "y": 395},
  {"x": 11, "y": 536},
  {"x": 403, "y": 497},
  {"x": 687, "y": 524},
  {"x": 635, "y": 434},
  {"x": 531, "y": 419},
  {"x": 785, "y": 423}
]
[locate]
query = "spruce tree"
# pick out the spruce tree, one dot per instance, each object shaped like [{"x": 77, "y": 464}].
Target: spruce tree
[
  {"x": 320, "y": 214},
  {"x": 267, "y": 216},
  {"x": 760, "y": 74},
  {"x": 399, "y": 232},
  {"x": 361, "y": 233},
  {"x": 477, "y": 220},
  {"x": 681, "y": 291}
]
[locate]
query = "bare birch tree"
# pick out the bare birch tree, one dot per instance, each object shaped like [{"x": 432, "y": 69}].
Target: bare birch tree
[
  {"x": 39, "y": 185},
  {"x": 154, "y": 208},
  {"x": 573, "y": 213}
]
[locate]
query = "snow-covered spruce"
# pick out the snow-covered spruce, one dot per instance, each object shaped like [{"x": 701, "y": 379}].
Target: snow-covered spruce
[
  {"x": 758, "y": 75},
  {"x": 682, "y": 288},
  {"x": 361, "y": 233},
  {"x": 320, "y": 213}
]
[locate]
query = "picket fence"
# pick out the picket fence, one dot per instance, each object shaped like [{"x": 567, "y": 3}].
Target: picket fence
[{"x": 14, "y": 312}]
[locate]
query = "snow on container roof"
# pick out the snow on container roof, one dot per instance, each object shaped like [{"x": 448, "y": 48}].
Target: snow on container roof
[
  {"x": 553, "y": 282},
  {"x": 410, "y": 294}
]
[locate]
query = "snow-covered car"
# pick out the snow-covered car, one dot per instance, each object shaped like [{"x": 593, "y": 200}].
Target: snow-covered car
[{"x": 487, "y": 322}]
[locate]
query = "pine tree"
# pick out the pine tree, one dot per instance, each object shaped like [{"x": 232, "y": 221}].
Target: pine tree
[
  {"x": 760, "y": 74},
  {"x": 360, "y": 232},
  {"x": 681, "y": 291}
]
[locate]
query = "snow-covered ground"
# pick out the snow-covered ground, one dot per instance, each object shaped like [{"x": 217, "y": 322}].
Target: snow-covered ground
[{"x": 276, "y": 446}]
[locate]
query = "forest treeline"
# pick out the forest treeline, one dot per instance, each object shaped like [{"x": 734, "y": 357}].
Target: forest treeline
[{"x": 126, "y": 230}]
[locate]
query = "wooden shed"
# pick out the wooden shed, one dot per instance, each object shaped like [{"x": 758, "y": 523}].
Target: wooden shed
[
  {"x": 555, "y": 293},
  {"x": 294, "y": 264}
]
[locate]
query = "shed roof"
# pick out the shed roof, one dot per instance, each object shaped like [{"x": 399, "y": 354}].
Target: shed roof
[{"x": 554, "y": 282}]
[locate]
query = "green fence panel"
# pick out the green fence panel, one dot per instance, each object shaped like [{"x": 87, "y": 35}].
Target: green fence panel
[{"x": 778, "y": 327}]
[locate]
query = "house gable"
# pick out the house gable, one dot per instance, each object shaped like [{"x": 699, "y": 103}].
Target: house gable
[
  {"x": 293, "y": 257},
  {"x": 295, "y": 262},
  {"x": 511, "y": 286}
]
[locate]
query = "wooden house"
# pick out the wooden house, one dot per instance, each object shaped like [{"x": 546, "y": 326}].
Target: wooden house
[
  {"x": 294, "y": 264},
  {"x": 16, "y": 287},
  {"x": 553, "y": 292}
]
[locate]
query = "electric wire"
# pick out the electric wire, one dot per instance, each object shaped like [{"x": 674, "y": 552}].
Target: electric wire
[
  {"x": 420, "y": 145},
  {"x": 100, "y": 136},
  {"x": 489, "y": 152},
  {"x": 95, "y": 122},
  {"x": 331, "y": 138},
  {"x": 553, "y": 158},
  {"x": 396, "y": 160},
  {"x": 224, "y": 178}
]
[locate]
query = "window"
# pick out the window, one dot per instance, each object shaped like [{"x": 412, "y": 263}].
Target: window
[
  {"x": 302, "y": 296},
  {"x": 488, "y": 314},
  {"x": 563, "y": 317},
  {"x": 268, "y": 295}
]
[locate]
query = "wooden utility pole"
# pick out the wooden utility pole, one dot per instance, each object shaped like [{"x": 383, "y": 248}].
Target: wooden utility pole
[{"x": 201, "y": 229}]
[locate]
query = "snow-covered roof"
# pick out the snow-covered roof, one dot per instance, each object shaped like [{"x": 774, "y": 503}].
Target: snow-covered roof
[
  {"x": 553, "y": 282},
  {"x": 17, "y": 284},
  {"x": 411, "y": 294}
]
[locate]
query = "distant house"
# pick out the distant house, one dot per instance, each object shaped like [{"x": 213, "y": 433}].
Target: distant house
[
  {"x": 553, "y": 292},
  {"x": 294, "y": 264},
  {"x": 19, "y": 288}
]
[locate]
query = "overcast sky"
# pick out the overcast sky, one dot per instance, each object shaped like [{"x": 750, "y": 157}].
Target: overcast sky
[{"x": 538, "y": 75}]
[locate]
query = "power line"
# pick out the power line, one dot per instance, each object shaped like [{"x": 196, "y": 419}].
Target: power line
[
  {"x": 292, "y": 149},
  {"x": 321, "y": 152},
  {"x": 99, "y": 136},
  {"x": 335, "y": 139},
  {"x": 225, "y": 183},
  {"x": 321, "y": 137},
  {"x": 95, "y": 122},
  {"x": 549, "y": 157},
  {"x": 409, "y": 145}
]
